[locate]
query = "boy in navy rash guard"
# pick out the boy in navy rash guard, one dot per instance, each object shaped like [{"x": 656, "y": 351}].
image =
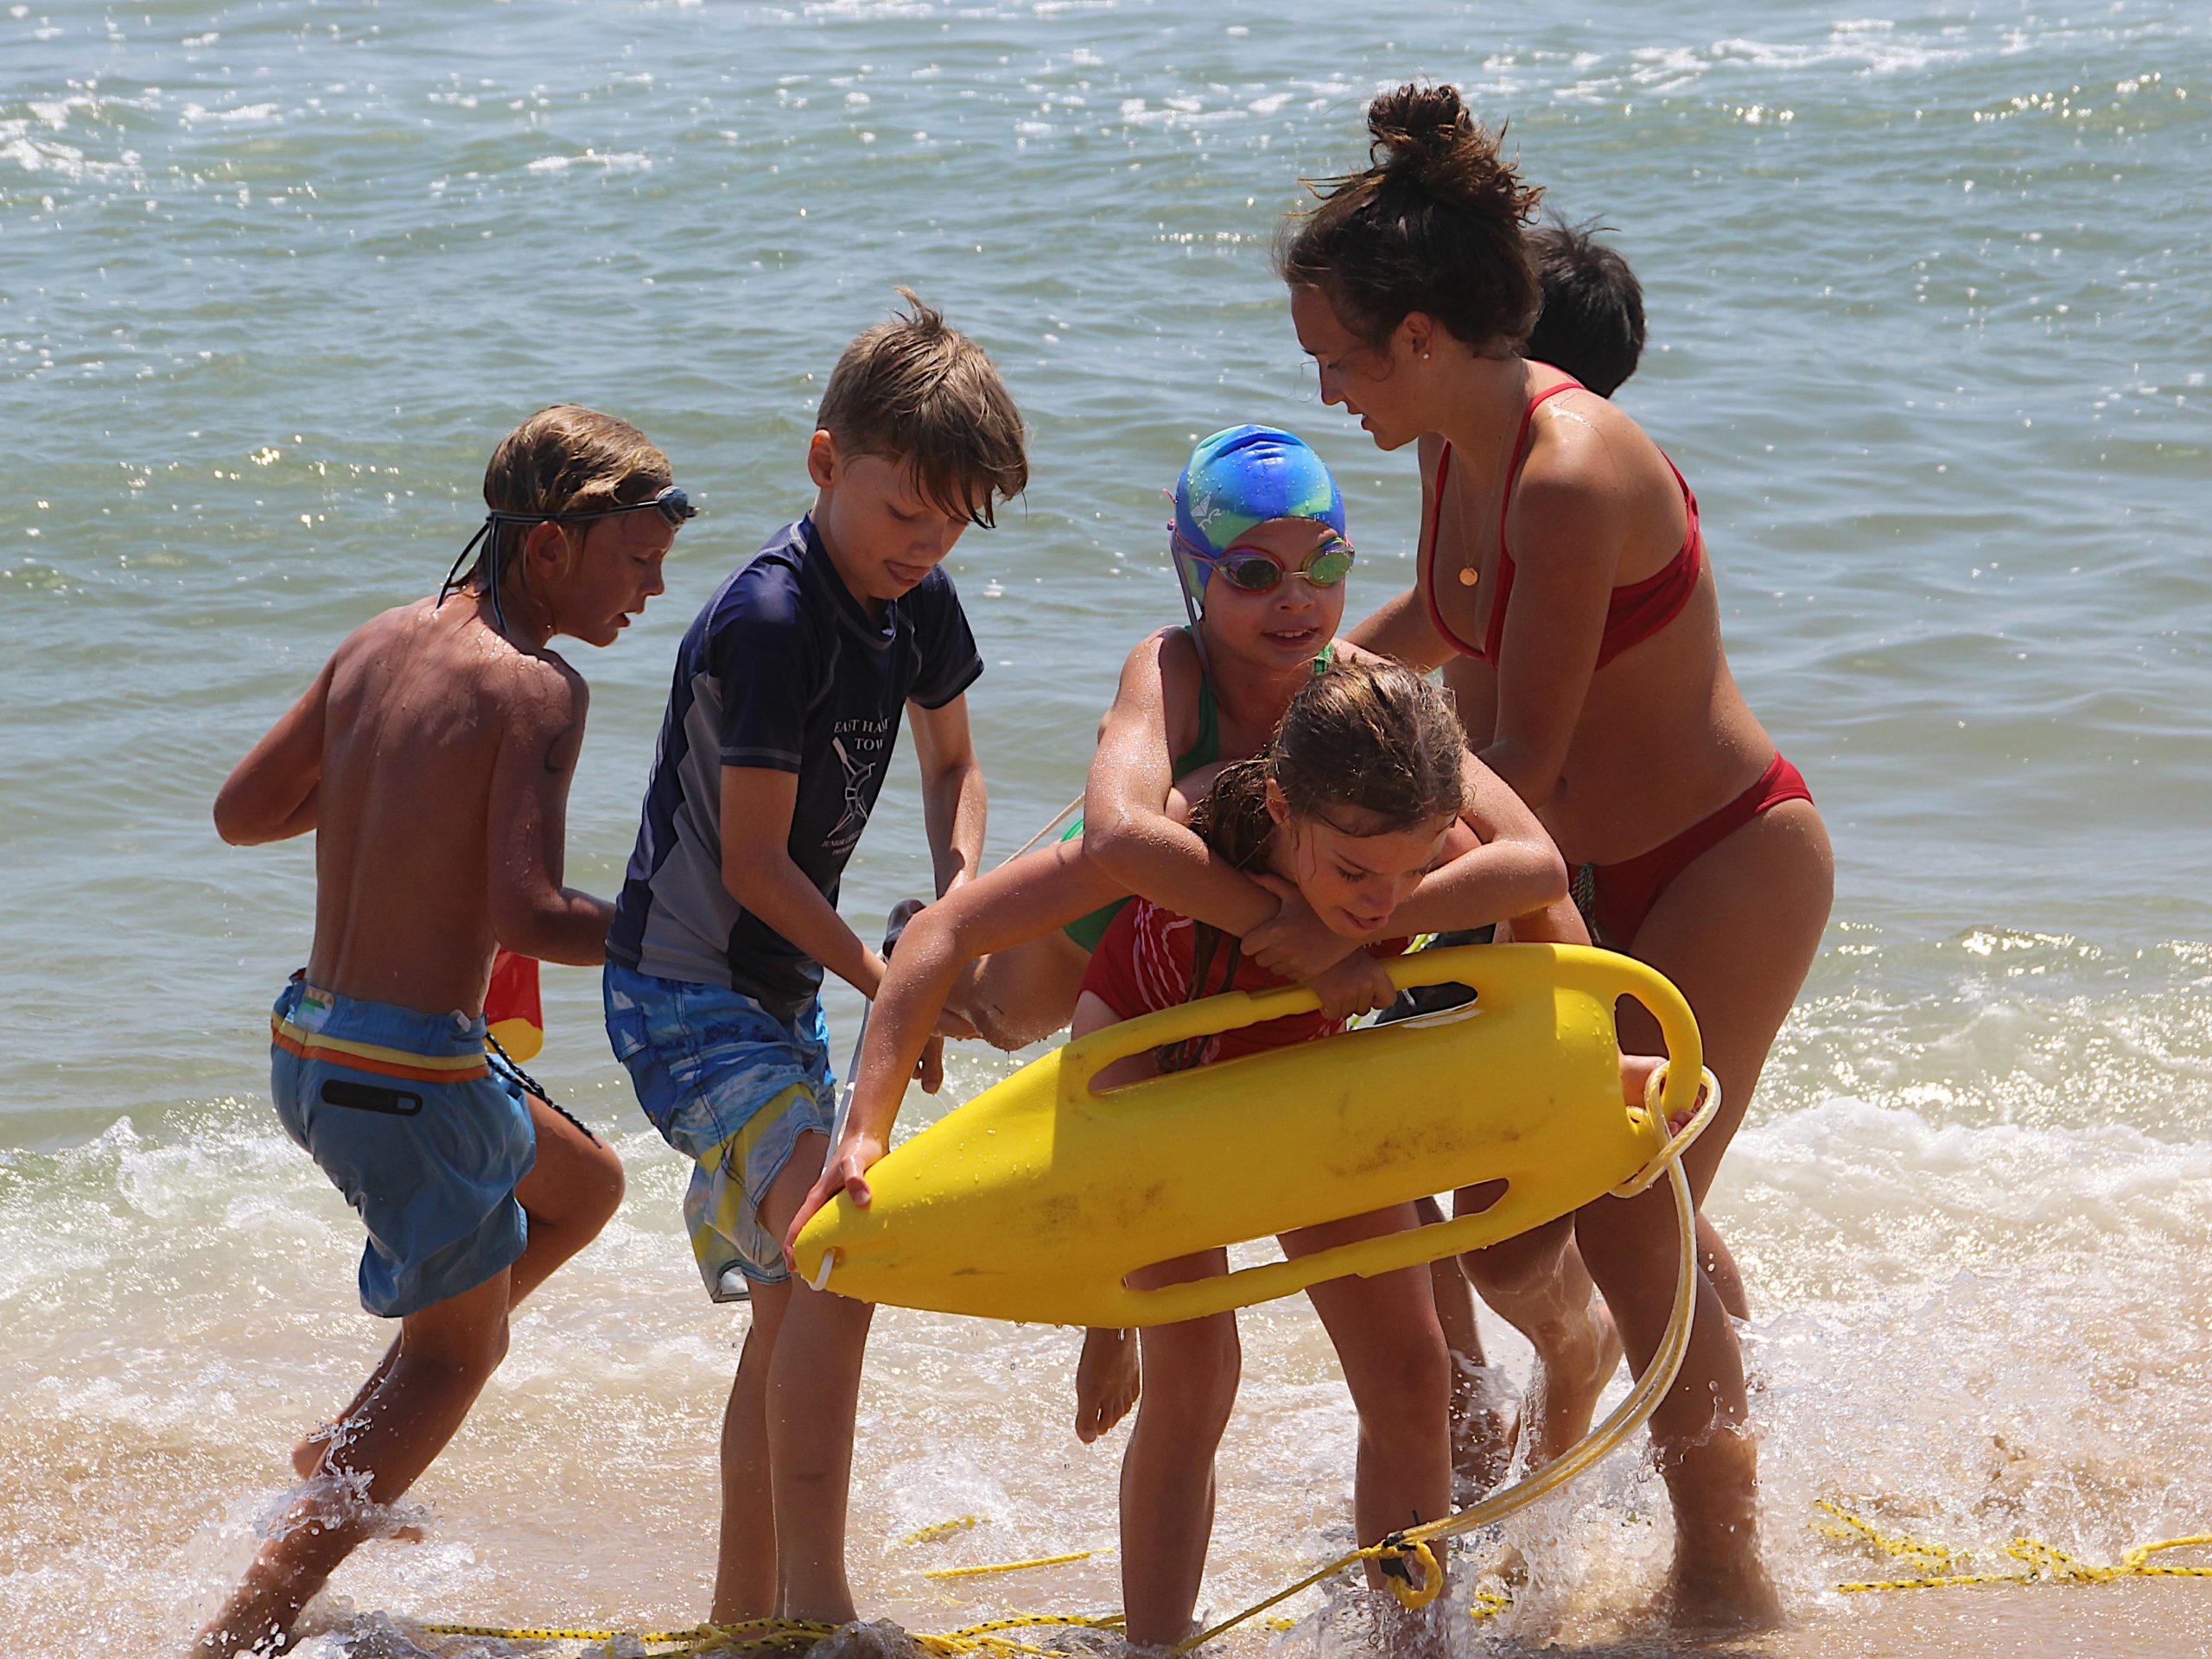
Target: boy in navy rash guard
[{"x": 790, "y": 687}]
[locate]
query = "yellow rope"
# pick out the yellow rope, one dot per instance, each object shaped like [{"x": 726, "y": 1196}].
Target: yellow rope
[
  {"x": 1630, "y": 1415},
  {"x": 1010, "y": 1566},
  {"x": 758, "y": 1634},
  {"x": 1418, "y": 1578},
  {"x": 2040, "y": 1563},
  {"x": 1057, "y": 819}
]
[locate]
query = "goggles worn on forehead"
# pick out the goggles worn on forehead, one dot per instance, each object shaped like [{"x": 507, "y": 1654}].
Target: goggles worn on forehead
[{"x": 673, "y": 504}]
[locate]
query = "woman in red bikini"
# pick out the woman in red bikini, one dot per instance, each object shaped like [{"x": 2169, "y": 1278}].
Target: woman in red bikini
[{"x": 1563, "y": 580}]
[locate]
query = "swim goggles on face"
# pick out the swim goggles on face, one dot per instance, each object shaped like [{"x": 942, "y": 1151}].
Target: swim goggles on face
[{"x": 1249, "y": 571}]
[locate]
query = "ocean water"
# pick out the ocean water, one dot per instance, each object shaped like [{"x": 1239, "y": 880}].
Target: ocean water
[{"x": 1929, "y": 336}]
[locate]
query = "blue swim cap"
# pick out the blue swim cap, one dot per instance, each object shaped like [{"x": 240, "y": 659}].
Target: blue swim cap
[{"x": 1243, "y": 476}]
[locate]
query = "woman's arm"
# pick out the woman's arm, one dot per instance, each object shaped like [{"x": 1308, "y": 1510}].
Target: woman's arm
[
  {"x": 1400, "y": 629},
  {"x": 1126, "y": 826},
  {"x": 1570, "y": 520}
]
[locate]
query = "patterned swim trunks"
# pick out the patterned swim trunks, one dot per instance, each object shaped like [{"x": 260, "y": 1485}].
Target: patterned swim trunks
[{"x": 733, "y": 1088}]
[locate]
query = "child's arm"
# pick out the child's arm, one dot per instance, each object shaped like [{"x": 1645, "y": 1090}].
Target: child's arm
[
  {"x": 756, "y": 809},
  {"x": 1021, "y": 899},
  {"x": 953, "y": 802},
  {"x": 1512, "y": 870},
  {"x": 272, "y": 793},
  {"x": 526, "y": 825},
  {"x": 1126, "y": 826}
]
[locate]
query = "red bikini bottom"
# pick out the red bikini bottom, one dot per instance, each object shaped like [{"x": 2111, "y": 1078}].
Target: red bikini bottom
[{"x": 1614, "y": 899}]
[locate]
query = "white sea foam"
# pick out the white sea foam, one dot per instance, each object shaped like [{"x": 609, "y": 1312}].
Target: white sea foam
[
  {"x": 240, "y": 115},
  {"x": 613, "y": 161}
]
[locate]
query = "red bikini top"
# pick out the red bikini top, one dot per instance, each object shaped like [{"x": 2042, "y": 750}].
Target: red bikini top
[{"x": 1636, "y": 612}]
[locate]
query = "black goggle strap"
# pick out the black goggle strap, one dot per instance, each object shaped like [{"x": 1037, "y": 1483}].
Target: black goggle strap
[
  {"x": 671, "y": 503},
  {"x": 487, "y": 536}
]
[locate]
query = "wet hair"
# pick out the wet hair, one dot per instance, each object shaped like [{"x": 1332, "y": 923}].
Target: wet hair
[
  {"x": 1593, "y": 321},
  {"x": 563, "y": 459},
  {"x": 916, "y": 389},
  {"x": 1434, "y": 224},
  {"x": 1372, "y": 735}
]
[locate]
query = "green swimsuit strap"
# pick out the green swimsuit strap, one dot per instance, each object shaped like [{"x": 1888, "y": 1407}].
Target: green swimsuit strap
[
  {"x": 1204, "y": 750},
  {"x": 1205, "y": 747}
]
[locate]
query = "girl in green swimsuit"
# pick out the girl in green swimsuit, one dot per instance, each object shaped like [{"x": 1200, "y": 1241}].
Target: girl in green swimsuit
[
  {"x": 1009, "y": 949},
  {"x": 1261, "y": 562}
]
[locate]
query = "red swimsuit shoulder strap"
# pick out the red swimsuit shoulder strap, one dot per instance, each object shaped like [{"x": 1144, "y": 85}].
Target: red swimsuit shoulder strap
[{"x": 1504, "y": 591}]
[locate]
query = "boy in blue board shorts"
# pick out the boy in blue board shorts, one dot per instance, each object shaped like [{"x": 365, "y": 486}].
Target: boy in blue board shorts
[
  {"x": 430, "y": 758},
  {"x": 789, "y": 691}
]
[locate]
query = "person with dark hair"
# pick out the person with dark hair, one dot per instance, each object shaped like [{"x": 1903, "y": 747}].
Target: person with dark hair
[
  {"x": 1591, "y": 322},
  {"x": 1364, "y": 805},
  {"x": 1563, "y": 580}
]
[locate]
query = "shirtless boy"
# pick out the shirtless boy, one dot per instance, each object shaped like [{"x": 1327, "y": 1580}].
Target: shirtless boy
[{"x": 432, "y": 758}]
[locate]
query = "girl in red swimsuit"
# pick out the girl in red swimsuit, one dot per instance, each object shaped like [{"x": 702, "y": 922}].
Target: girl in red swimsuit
[
  {"x": 1563, "y": 579},
  {"x": 1356, "y": 799}
]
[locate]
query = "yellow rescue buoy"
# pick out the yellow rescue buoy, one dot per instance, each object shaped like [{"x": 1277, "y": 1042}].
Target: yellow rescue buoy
[{"x": 1034, "y": 1201}]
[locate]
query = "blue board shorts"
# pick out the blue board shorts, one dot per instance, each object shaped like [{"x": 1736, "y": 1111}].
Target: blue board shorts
[
  {"x": 733, "y": 1088},
  {"x": 405, "y": 1113}
]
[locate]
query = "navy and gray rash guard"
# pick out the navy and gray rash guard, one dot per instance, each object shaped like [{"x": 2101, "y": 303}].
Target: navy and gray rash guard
[{"x": 783, "y": 669}]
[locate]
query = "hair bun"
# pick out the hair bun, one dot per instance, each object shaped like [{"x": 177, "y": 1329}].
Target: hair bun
[
  {"x": 1427, "y": 138},
  {"x": 1415, "y": 127}
]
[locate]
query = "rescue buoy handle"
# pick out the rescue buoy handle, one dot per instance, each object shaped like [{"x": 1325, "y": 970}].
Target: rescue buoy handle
[
  {"x": 1364, "y": 1258},
  {"x": 1487, "y": 967}
]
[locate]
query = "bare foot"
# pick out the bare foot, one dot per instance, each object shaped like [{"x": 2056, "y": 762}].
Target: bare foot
[
  {"x": 1106, "y": 1381},
  {"x": 1572, "y": 1367},
  {"x": 1719, "y": 1585},
  {"x": 1709, "y": 1598},
  {"x": 874, "y": 1639}
]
